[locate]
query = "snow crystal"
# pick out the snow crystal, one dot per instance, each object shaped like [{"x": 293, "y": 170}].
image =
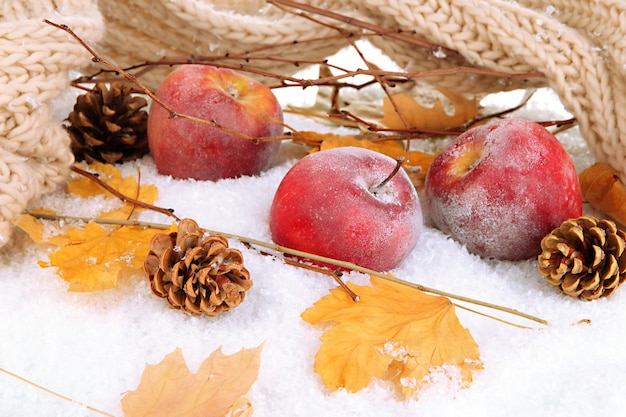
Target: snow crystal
[{"x": 93, "y": 347}]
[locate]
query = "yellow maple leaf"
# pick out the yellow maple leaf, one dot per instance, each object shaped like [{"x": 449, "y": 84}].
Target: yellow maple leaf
[
  {"x": 427, "y": 118},
  {"x": 38, "y": 232},
  {"x": 216, "y": 390},
  {"x": 93, "y": 256},
  {"x": 32, "y": 226},
  {"x": 391, "y": 326},
  {"x": 128, "y": 186}
]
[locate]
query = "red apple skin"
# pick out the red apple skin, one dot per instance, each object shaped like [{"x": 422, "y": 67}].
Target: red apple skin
[
  {"x": 324, "y": 205},
  {"x": 187, "y": 149},
  {"x": 500, "y": 188}
]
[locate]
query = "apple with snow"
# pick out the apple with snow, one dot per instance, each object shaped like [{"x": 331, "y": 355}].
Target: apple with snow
[
  {"x": 185, "y": 148},
  {"x": 500, "y": 188},
  {"x": 336, "y": 203}
]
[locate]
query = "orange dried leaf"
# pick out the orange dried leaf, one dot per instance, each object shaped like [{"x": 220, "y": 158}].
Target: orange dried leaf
[
  {"x": 128, "y": 186},
  {"x": 32, "y": 226},
  {"x": 388, "y": 147},
  {"x": 601, "y": 186},
  {"x": 94, "y": 256},
  {"x": 427, "y": 118},
  {"x": 391, "y": 326},
  {"x": 315, "y": 139},
  {"x": 416, "y": 163},
  {"x": 216, "y": 390}
]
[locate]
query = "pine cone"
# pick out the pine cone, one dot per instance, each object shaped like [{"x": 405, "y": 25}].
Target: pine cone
[
  {"x": 195, "y": 272},
  {"x": 109, "y": 125},
  {"x": 584, "y": 257}
]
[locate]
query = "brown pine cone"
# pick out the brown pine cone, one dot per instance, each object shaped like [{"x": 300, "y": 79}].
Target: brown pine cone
[
  {"x": 195, "y": 272},
  {"x": 584, "y": 257},
  {"x": 108, "y": 124}
]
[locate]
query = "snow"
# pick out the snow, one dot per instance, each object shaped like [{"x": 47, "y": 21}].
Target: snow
[{"x": 93, "y": 347}]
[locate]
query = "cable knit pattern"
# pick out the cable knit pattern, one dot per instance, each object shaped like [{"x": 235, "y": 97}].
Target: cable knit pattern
[
  {"x": 35, "y": 60},
  {"x": 579, "y": 45}
]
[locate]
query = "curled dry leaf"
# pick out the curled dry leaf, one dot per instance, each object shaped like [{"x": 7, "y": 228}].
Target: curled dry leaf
[
  {"x": 417, "y": 116},
  {"x": 169, "y": 389},
  {"x": 601, "y": 186},
  {"x": 390, "y": 327}
]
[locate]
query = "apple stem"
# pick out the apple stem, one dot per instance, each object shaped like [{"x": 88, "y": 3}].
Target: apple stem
[{"x": 399, "y": 162}]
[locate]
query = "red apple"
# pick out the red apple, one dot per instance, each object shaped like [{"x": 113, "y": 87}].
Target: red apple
[
  {"x": 329, "y": 204},
  {"x": 500, "y": 188},
  {"x": 188, "y": 149}
]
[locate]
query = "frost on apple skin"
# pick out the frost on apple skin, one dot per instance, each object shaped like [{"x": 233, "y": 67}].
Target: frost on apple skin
[
  {"x": 188, "y": 149},
  {"x": 522, "y": 186},
  {"x": 324, "y": 206}
]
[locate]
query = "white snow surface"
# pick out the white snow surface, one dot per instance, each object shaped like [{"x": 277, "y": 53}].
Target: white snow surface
[{"x": 93, "y": 347}]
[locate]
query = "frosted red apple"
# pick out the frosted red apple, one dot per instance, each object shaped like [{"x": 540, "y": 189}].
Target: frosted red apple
[
  {"x": 500, "y": 188},
  {"x": 187, "y": 149},
  {"x": 329, "y": 204}
]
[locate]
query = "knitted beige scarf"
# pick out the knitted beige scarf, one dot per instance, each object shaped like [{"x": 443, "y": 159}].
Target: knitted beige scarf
[
  {"x": 35, "y": 60},
  {"x": 579, "y": 45}
]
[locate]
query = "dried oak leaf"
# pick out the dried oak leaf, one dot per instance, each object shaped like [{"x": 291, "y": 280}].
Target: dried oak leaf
[
  {"x": 392, "y": 326},
  {"x": 601, "y": 186},
  {"x": 169, "y": 389},
  {"x": 427, "y": 118}
]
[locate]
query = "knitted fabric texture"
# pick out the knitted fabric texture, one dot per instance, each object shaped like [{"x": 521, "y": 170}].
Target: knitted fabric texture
[
  {"x": 579, "y": 45},
  {"x": 35, "y": 60}
]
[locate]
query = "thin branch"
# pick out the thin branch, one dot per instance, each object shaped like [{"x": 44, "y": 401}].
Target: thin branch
[
  {"x": 489, "y": 316},
  {"x": 122, "y": 197},
  {"x": 355, "y": 267},
  {"x": 400, "y": 35},
  {"x": 340, "y": 264},
  {"x": 130, "y": 77},
  {"x": 336, "y": 275},
  {"x": 56, "y": 394},
  {"x": 99, "y": 220}
]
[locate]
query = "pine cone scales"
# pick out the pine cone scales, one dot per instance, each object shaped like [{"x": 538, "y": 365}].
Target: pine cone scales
[
  {"x": 108, "y": 124},
  {"x": 584, "y": 257},
  {"x": 196, "y": 273}
]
